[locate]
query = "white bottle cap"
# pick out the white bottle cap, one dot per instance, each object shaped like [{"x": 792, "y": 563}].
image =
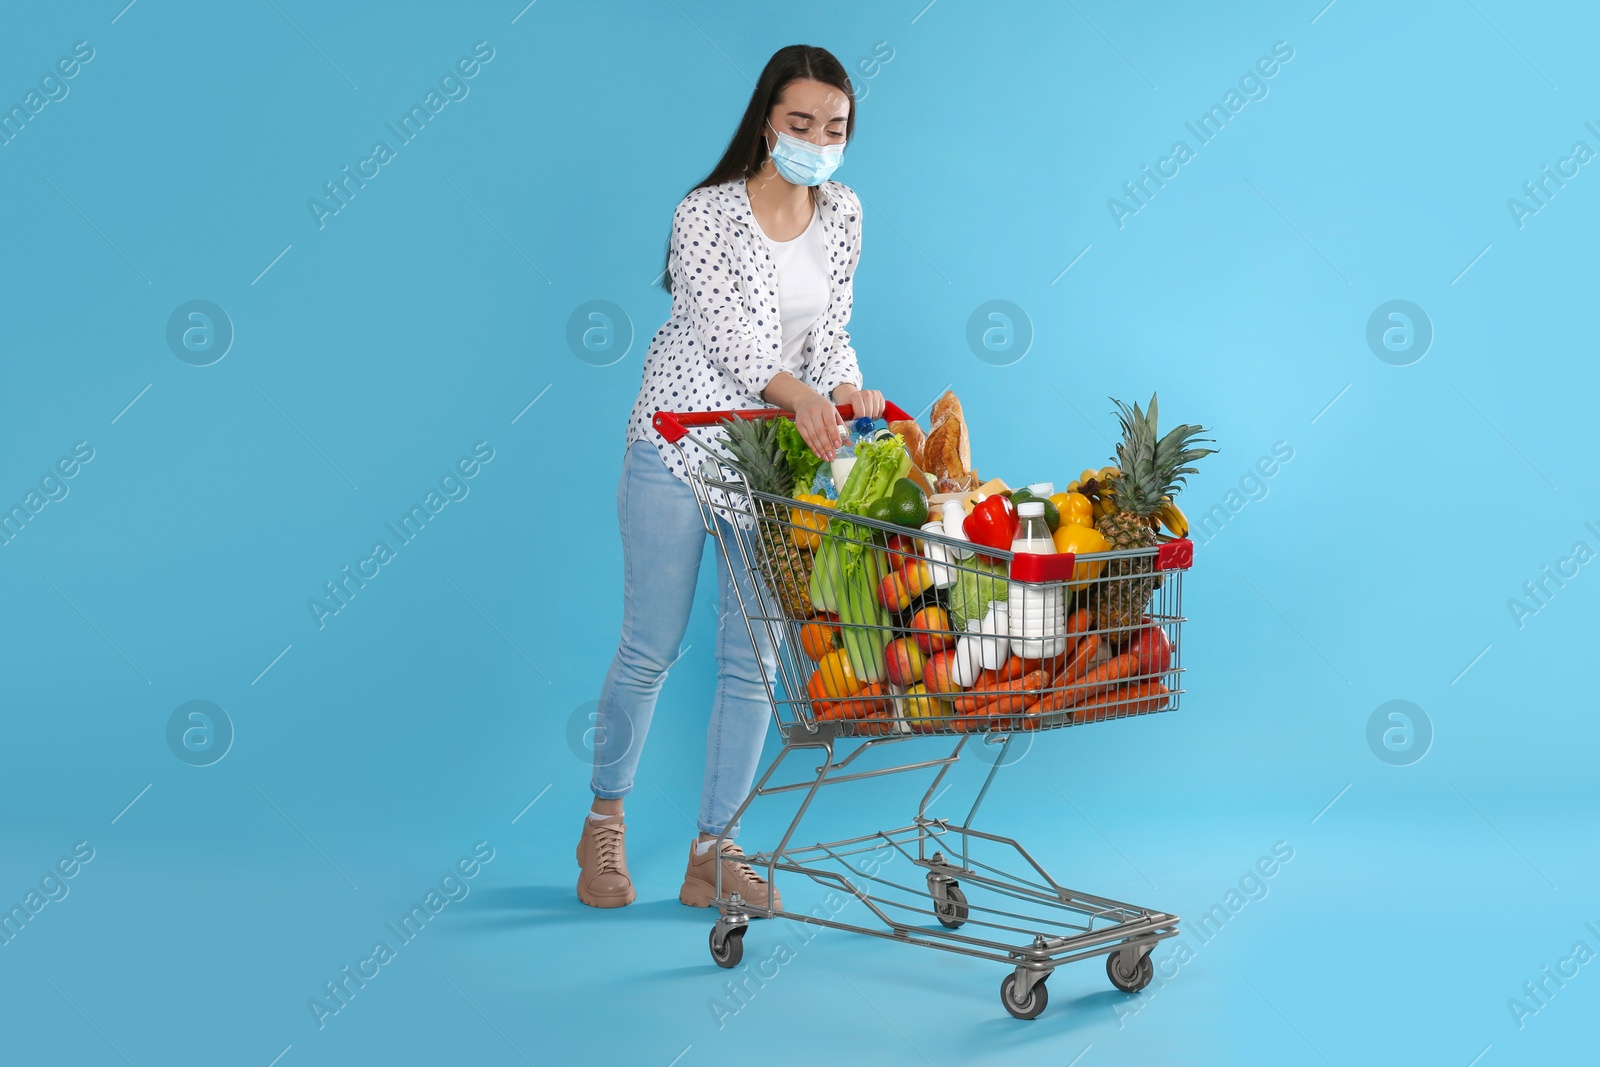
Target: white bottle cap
[{"x": 1030, "y": 508}]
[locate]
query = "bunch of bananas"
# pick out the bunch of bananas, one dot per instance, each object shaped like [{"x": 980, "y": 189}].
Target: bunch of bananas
[
  {"x": 1100, "y": 486},
  {"x": 1173, "y": 518}
]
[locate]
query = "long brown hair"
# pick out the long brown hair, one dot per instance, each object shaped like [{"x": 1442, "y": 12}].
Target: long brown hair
[{"x": 747, "y": 151}]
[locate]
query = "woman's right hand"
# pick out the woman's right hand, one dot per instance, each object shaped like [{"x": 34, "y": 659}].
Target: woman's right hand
[{"x": 818, "y": 421}]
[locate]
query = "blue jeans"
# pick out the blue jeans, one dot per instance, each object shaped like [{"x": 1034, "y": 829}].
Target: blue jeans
[{"x": 663, "y": 536}]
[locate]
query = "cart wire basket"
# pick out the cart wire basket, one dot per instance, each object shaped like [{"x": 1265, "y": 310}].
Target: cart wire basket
[{"x": 961, "y": 643}]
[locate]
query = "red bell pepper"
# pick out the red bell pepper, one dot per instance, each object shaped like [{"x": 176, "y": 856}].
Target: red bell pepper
[{"x": 992, "y": 523}]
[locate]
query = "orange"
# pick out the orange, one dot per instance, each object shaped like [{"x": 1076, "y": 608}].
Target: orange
[
  {"x": 817, "y": 638},
  {"x": 838, "y": 677}
]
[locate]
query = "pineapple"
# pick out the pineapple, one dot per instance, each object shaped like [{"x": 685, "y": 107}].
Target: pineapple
[
  {"x": 1150, "y": 472},
  {"x": 759, "y": 456}
]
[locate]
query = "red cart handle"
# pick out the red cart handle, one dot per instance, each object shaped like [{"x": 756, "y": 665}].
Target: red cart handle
[
  {"x": 1177, "y": 554},
  {"x": 673, "y": 424}
]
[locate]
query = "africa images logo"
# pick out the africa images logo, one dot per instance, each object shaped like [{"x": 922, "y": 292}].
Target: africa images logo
[
  {"x": 1211, "y": 122},
  {"x": 453, "y": 486},
  {"x": 452, "y": 83}
]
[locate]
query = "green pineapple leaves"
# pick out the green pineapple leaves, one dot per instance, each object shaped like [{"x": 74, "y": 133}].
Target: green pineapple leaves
[
  {"x": 1153, "y": 467},
  {"x": 757, "y": 451}
]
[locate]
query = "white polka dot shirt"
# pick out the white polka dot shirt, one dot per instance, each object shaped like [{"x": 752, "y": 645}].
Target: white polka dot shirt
[{"x": 722, "y": 343}]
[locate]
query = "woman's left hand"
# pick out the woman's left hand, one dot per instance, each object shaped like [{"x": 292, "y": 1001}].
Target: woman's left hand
[{"x": 868, "y": 402}]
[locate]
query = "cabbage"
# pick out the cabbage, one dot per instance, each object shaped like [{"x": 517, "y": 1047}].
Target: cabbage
[{"x": 980, "y": 581}]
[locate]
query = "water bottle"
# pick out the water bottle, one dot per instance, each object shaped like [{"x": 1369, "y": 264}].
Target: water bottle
[
  {"x": 1037, "y": 619},
  {"x": 844, "y": 457},
  {"x": 851, "y": 435}
]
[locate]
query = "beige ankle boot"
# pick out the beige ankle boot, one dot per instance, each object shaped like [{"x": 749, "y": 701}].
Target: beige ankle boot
[
  {"x": 700, "y": 881},
  {"x": 604, "y": 881}
]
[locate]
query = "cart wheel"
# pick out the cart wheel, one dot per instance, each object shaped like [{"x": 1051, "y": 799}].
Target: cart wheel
[
  {"x": 951, "y": 907},
  {"x": 1038, "y": 996},
  {"x": 731, "y": 951},
  {"x": 1126, "y": 980}
]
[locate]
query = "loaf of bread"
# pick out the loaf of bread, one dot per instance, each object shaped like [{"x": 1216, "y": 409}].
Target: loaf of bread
[
  {"x": 947, "y": 451},
  {"x": 912, "y": 433}
]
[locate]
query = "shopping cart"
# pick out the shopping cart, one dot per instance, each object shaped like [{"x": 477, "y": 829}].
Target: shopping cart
[{"x": 1025, "y": 920}]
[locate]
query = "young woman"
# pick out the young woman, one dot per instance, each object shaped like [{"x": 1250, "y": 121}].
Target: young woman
[{"x": 760, "y": 265}]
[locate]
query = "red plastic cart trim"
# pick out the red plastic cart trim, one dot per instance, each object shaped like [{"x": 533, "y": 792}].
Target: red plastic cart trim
[
  {"x": 1031, "y": 567},
  {"x": 673, "y": 425},
  {"x": 1175, "y": 555}
]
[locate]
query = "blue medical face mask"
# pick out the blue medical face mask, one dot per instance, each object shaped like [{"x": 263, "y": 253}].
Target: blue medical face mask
[{"x": 803, "y": 163}]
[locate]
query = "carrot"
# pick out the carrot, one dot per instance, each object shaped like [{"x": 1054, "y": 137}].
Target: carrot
[
  {"x": 1103, "y": 677},
  {"x": 876, "y": 723},
  {"x": 1052, "y": 699},
  {"x": 1135, "y": 698},
  {"x": 1080, "y": 651},
  {"x": 1078, "y": 621},
  {"x": 869, "y": 701},
  {"x": 1060, "y": 670},
  {"x": 1010, "y": 696},
  {"x": 992, "y": 697},
  {"x": 1087, "y": 648},
  {"x": 1011, "y": 668},
  {"x": 978, "y": 694},
  {"x": 1035, "y": 707},
  {"x": 1049, "y": 700},
  {"x": 1053, "y": 664}
]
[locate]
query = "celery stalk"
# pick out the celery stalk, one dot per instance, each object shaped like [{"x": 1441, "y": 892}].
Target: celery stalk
[
  {"x": 847, "y": 567},
  {"x": 863, "y": 621}
]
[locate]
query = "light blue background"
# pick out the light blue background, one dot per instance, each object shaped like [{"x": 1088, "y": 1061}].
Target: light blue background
[{"x": 432, "y": 311}]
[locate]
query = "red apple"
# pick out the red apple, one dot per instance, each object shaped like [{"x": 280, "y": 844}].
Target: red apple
[
  {"x": 1153, "y": 647},
  {"x": 904, "y": 660}
]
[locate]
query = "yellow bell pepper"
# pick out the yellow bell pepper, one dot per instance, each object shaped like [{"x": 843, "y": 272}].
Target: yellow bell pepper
[
  {"x": 1079, "y": 540},
  {"x": 809, "y": 525},
  {"x": 1074, "y": 507}
]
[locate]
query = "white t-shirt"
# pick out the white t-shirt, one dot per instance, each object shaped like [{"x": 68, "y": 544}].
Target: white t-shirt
[{"x": 802, "y": 264}]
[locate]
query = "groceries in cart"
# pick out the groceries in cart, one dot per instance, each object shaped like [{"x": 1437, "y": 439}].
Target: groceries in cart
[
  {"x": 926, "y": 600},
  {"x": 914, "y": 597}
]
